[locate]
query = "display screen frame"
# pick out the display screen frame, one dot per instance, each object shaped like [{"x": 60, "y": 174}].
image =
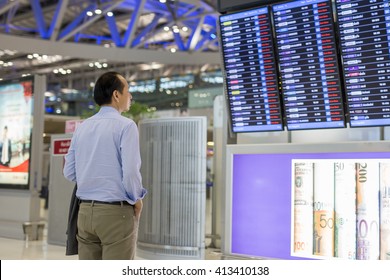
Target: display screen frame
[
  {"x": 21, "y": 144},
  {"x": 380, "y": 122},
  {"x": 231, "y": 5},
  {"x": 320, "y": 125},
  {"x": 260, "y": 128}
]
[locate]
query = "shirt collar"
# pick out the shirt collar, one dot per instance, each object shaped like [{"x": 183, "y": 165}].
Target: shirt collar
[{"x": 108, "y": 109}]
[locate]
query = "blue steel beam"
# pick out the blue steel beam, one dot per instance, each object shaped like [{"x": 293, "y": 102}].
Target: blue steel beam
[
  {"x": 77, "y": 37},
  {"x": 195, "y": 24},
  {"x": 39, "y": 19},
  {"x": 19, "y": 28},
  {"x": 179, "y": 41},
  {"x": 116, "y": 37},
  {"x": 91, "y": 20},
  {"x": 152, "y": 6},
  {"x": 210, "y": 20},
  {"x": 68, "y": 29},
  {"x": 57, "y": 19},
  {"x": 129, "y": 35},
  {"x": 189, "y": 12},
  {"x": 192, "y": 15},
  {"x": 159, "y": 29},
  {"x": 11, "y": 8},
  {"x": 195, "y": 35},
  {"x": 11, "y": 13},
  {"x": 206, "y": 36},
  {"x": 146, "y": 30}
]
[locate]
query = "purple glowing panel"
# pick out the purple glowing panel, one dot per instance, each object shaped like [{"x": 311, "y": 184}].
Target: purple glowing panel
[{"x": 261, "y": 206}]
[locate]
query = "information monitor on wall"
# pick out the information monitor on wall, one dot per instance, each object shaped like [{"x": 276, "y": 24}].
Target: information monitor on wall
[
  {"x": 308, "y": 64},
  {"x": 234, "y": 5},
  {"x": 364, "y": 31},
  {"x": 250, "y": 71}
]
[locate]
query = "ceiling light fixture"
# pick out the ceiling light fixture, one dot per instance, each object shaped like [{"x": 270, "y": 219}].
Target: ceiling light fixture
[
  {"x": 43, "y": 59},
  {"x": 9, "y": 52},
  {"x": 62, "y": 71},
  {"x": 98, "y": 65}
]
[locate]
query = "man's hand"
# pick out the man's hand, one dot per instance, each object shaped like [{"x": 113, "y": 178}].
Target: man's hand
[{"x": 138, "y": 208}]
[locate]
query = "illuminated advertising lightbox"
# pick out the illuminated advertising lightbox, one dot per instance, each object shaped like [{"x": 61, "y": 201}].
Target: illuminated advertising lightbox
[
  {"x": 337, "y": 210},
  {"x": 16, "y": 109},
  {"x": 311, "y": 205}
]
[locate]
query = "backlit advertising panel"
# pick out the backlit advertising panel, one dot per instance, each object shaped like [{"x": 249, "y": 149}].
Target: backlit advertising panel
[
  {"x": 324, "y": 203},
  {"x": 16, "y": 109}
]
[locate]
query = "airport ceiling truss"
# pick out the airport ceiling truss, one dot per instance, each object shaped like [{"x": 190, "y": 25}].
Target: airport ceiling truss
[{"x": 66, "y": 34}]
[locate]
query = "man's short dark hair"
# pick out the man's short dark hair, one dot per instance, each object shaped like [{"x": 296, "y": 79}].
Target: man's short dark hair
[{"x": 105, "y": 85}]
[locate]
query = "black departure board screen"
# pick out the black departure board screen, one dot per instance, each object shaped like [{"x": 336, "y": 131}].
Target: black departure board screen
[
  {"x": 364, "y": 31},
  {"x": 308, "y": 64},
  {"x": 234, "y": 5},
  {"x": 250, "y": 71}
]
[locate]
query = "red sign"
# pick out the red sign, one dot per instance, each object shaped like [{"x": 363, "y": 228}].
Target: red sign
[{"x": 60, "y": 147}]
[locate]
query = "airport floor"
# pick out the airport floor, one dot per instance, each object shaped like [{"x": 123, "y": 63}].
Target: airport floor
[{"x": 14, "y": 249}]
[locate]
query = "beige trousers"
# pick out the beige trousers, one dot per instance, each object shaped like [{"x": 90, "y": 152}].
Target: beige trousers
[{"x": 106, "y": 232}]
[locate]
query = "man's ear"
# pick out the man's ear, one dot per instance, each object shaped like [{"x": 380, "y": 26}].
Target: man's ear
[{"x": 115, "y": 95}]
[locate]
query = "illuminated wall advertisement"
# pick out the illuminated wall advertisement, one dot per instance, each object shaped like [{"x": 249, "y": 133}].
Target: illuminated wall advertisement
[
  {"x": 16, "y": 105},
  {"x": 337, "y": 211},
  {"x": 311, "y": 205}
]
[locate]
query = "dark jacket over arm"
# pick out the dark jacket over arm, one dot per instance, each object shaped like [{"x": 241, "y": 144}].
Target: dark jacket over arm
[{"x": 71, "y": 241}]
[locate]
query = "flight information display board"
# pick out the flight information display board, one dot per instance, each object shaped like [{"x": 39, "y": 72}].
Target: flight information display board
[
  {"x": 364, "y": 31},
  {"x": 308, "y": 64},
  {"x": 250, "y": 71}
]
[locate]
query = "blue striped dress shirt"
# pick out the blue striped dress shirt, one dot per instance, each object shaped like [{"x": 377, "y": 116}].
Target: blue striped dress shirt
[{"x": 104, "y": 158}]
